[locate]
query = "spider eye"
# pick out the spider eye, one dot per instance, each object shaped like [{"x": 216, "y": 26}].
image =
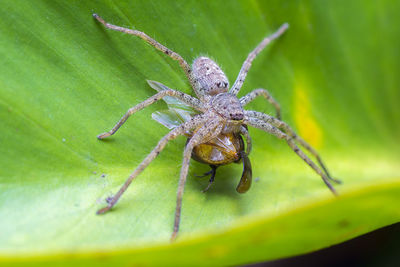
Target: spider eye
[{"x": 237, "y": 116}]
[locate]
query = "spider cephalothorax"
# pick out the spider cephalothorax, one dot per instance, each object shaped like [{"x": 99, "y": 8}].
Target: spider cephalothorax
[
  {"x": 227, "y": 106},
  {"x": 220, "y": 113}
]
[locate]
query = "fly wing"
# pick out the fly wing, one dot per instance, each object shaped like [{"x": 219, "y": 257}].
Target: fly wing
[
  {"x": 170, "y": 118},
  {"x": 177, "y": 113},
  {"x": 171, "y": 101}
]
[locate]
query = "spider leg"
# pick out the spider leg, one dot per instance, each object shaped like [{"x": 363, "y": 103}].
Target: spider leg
[
  {"x": 246, "y": 134},
  {"x": 260, "y": 124},
  {"x": 308, "y": 147},
  {"x": 287, "y": 129},
  {"x": 211, "y": 129},
  {"x": 195, "y": 103},
  {"x": 175, "y": 56},
  {"x": 261, "y": 92},
  {"x": 180, "y": 130},
  {"x": 247, "y": 63}
]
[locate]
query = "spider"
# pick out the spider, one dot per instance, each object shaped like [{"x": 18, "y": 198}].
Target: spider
[
  {"x": 225, "y": 149},
  {"x": 220, "y": 112}
]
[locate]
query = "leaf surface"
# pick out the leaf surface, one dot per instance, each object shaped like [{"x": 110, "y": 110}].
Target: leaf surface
[{"x": 65, "y": 79}]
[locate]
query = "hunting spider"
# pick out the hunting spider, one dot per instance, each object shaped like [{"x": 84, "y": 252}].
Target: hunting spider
[{"x": 220, "y": 112}]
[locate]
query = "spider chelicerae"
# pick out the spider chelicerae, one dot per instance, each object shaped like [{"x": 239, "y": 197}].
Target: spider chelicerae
[{"x": 220, "y": 113}]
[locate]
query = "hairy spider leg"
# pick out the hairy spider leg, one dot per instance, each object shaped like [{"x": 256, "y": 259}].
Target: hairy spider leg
[
  {"x": 307, "y": 146},
  {"x": 265, "y": 126},
  {"x": 175, "y": 56},
  {"x": 195, "y": 103},
  {"x": 247, "y": 63},
  {"x": 180, "y": 130},
  {"x": 287, "y": 129},
  {"x": 261, "y": 92},
  {"x": 211, "y": 129},
  {"x": 245, "y": 133}
]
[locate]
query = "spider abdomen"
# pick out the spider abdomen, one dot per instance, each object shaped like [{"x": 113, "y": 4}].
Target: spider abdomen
[{"x": 208, "y": 77}]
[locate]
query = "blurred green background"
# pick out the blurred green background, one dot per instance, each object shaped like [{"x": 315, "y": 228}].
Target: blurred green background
[{"x": 64, "y": 79}]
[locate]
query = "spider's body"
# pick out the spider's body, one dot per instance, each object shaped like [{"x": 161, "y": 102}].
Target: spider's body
[
  {"x": 221, "y": 112},
  {"x": 224, "y": 149}
]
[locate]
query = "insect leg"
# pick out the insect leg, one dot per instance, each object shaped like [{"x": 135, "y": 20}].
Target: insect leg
[
  {"x": 261, "y": 92},
  {"x": 150, "y": 157},
  {"x": 207, "y": 173},
  {"x": 287, "y": 129},
  {"x": 175, "y": 56},
  {"x": 211, "y": 129},
  {"x": 260, "y": 124},
  {"x": 247, "y": 63},
  {"x": 181, "y": 96},
  {"x": 212, "y": 172}
]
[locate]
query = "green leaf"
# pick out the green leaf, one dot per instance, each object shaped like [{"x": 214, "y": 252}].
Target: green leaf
[{"x": 64, "y": 79}]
